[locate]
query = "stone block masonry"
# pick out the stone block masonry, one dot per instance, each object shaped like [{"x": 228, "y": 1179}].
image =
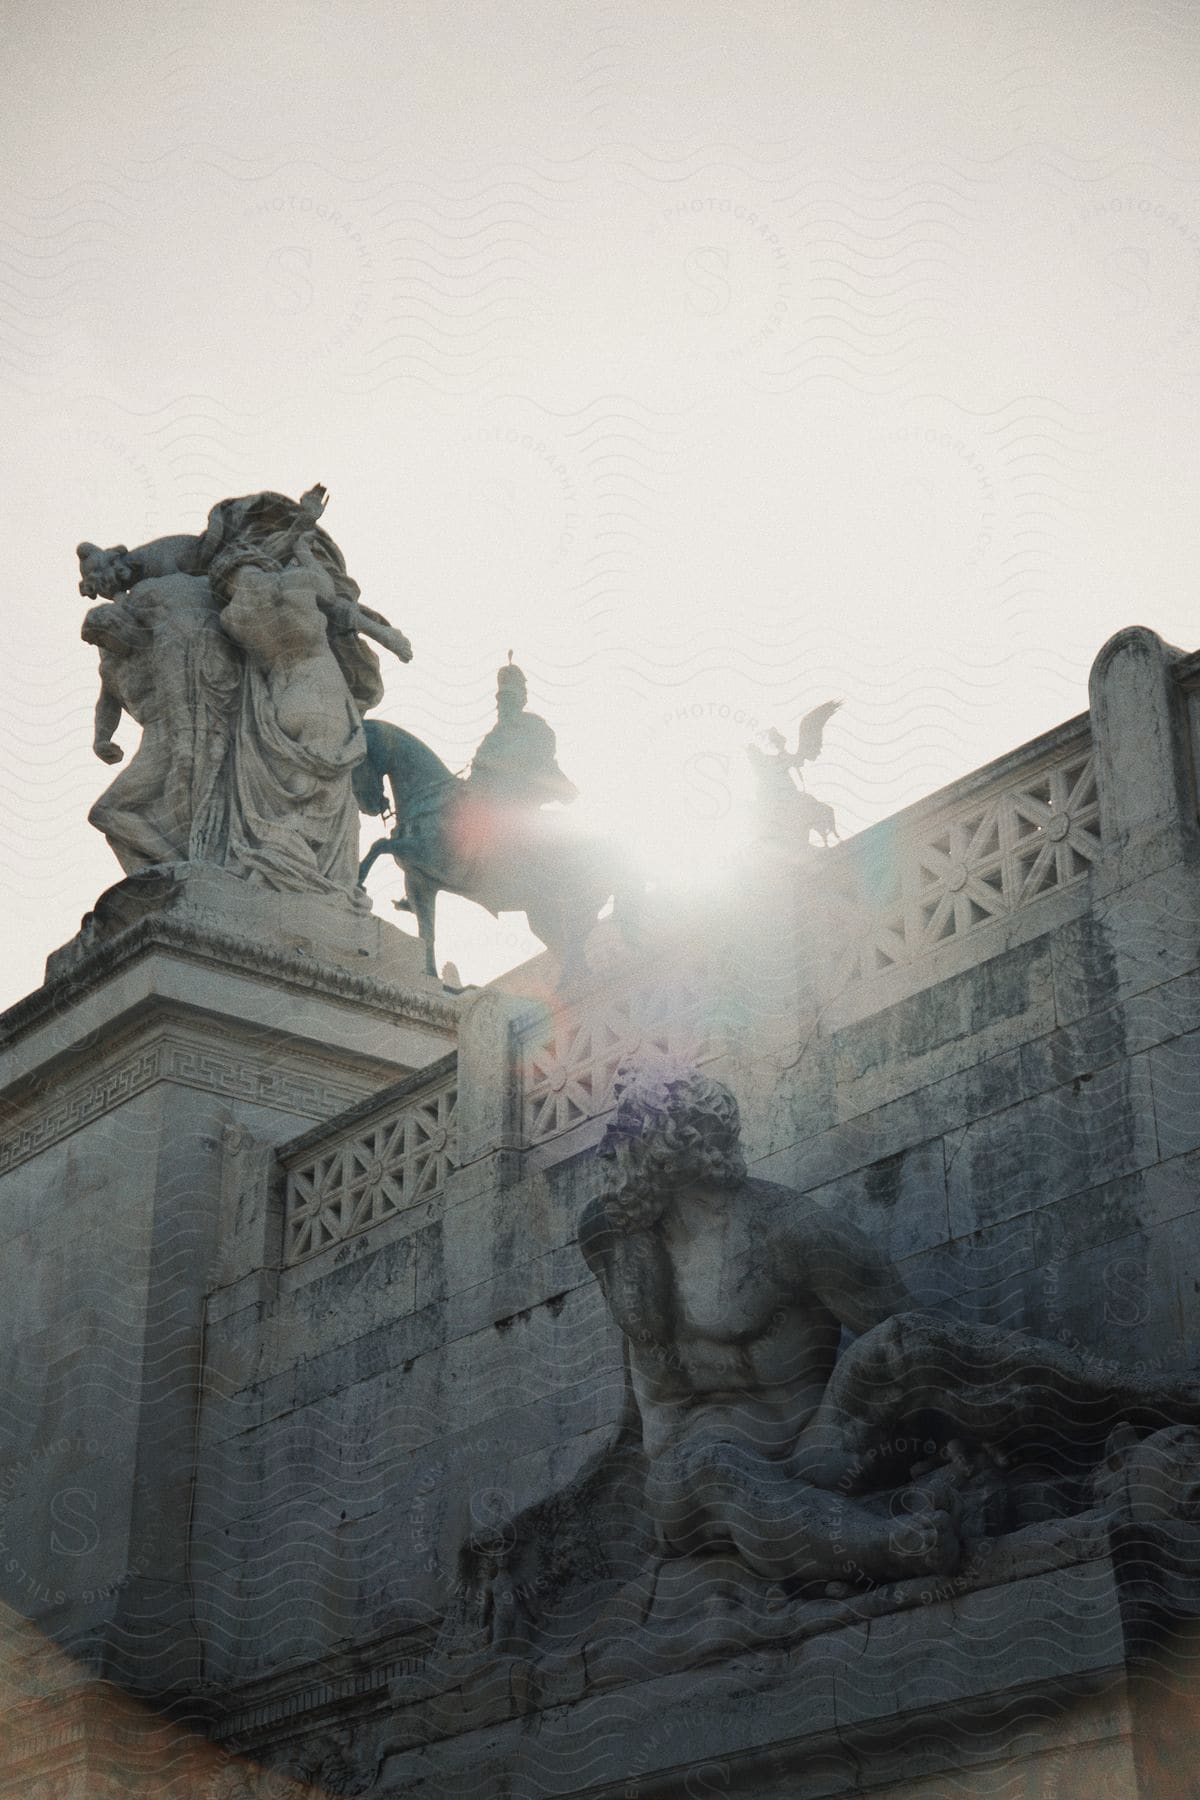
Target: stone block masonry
[{"x": 308, "y": 1247}]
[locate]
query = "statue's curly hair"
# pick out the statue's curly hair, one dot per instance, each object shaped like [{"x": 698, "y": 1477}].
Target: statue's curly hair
[{"x": 673, "y": 1126}]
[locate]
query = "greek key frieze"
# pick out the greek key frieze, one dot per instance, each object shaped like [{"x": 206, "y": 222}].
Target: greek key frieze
[{"x": 224, "y": 1070}]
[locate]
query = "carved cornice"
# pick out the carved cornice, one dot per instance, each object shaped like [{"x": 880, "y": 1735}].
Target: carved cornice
[
  {"x": 206, "y": 1056},
  {"x": 320, "y": 1693},
  {"x": 242, "y": 955},
  {"x": 377, "y": 1105}
]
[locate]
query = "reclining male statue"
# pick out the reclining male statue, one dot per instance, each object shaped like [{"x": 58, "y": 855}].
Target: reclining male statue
[{"x": 752, "y": 1434}]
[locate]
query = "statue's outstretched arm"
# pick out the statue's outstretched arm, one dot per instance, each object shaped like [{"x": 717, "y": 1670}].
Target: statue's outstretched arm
[
  {"x": 373, "y": 625},
  {"x": 346, "y": 614}
]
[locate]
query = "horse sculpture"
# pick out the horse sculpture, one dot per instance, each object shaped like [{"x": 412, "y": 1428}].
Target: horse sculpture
[{"x": 448, "y": 835}]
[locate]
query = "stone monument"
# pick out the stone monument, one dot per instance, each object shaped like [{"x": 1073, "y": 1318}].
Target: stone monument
[
  {"x": 765, "y": 1365},
  {"x": 234, "y": 983},
  {"x": 238, "y": 654}
]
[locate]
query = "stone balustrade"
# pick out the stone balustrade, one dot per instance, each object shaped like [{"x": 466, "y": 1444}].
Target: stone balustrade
[
  {"x": 981, "y": 850},
  {"x": 565, "y": 1058},
  {"x": 880, "y": 907},
  {"x": 370, "y": 1163},
  {"x": 977, "y": 852}
]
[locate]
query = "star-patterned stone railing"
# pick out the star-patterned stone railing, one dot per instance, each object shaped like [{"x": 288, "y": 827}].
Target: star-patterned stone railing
[
  {"x": 958, "y": 868},
  {"x": 370, "y": 1163},
  {"x": 566, "y": 1057}
]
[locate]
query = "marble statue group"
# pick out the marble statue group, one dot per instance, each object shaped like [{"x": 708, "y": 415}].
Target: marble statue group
[
  {"x": 239, "y": 652},
  {"x": 244, "y": 653}
]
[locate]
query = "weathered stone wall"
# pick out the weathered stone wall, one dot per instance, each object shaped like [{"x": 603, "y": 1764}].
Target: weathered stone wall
[
  {"x": 975, "y": 1031},
  {"x": 132, "y": 1080}
]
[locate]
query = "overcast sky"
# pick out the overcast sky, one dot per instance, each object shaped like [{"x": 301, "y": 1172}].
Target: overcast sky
[{"x": 716, "y": 359}]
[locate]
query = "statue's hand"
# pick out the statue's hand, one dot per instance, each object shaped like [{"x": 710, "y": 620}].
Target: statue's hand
[
  {"x": 390, "y": 638},
  {"x": 109, "y": 752},
  {"x": 314, "y": 502}
]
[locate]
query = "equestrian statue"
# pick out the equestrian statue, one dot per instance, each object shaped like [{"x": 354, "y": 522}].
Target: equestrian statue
[{"x": 488, "y": 835}]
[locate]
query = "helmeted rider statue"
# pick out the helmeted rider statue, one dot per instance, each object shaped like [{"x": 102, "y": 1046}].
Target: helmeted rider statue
[
  {"x": 514, "y": 774},
  {"x": 516, "y": 764},
  {"x": 492, "y": 835}
]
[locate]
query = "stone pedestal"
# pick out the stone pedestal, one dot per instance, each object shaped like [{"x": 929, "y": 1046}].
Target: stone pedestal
[
  {"x": 189, "y": 1013},
  {"x": 1016, "y": 1689}
]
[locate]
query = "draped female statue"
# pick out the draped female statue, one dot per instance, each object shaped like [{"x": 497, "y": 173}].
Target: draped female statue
[
  {"x": 239, "y": 651},
  {"x": 293, "y": 819}
]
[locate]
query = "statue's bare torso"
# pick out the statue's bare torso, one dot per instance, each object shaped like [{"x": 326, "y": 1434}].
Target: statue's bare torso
[
  {"x": 276, "y": 620},
  {"x": 754, "y": 1431},
  {"x": 732, "y": 1304}
]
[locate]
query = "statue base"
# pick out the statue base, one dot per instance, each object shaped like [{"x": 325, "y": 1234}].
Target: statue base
[
  {"x": 341, "y": 931},
  {"x": 192, "y": 1020}
]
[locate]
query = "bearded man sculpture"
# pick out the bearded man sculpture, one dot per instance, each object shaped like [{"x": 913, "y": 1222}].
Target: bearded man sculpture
[{"x": 752, "y": 1433}]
